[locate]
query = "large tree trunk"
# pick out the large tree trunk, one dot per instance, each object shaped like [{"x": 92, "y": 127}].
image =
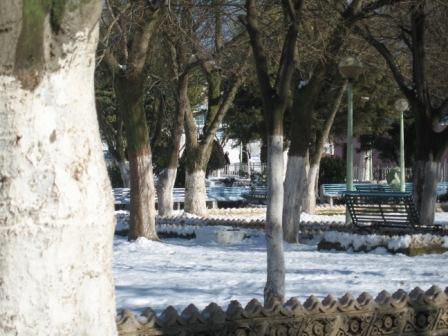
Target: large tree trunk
[
  {"x": 165, "y": 191},
  {"x": 142, "y": 207},
  {"x": 168, "y": 177},
  {"x": 296, "y": 175},
  {"x": 195, "y": 192},
  {"x": 56, "y": 208},
  {"x": 295, "y": 183},
  {"x": 426, "y": 177},
  {"x": 275, "y": 284},
  {"x": 309, "y": 199},
  {"x": 427, "y": 165}
]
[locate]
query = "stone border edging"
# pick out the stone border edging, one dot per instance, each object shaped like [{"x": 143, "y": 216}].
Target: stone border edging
[{"x": 416, "y": 313}]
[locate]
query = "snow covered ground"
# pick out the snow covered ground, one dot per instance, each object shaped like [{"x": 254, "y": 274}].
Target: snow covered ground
[{"x": 179, "y": 272}]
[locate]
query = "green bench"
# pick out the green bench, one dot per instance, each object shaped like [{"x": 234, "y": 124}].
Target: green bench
[
  {"x": 389, "y": 211},
  {"x": 328, "y": 191},
  {"x": 257, "y": 195}
]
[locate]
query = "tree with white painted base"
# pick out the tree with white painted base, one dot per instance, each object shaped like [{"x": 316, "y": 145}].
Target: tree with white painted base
[
  {"x": 275, "y": 101},
  {"x": 135, "y": 23},
  {"x": 425, "y": 92},
  {"x": 310, "y": 89},
  {"x": 56, "y": 209},
  {"x": 181, "y": 69},
  {"x": 215, "y": 67}
]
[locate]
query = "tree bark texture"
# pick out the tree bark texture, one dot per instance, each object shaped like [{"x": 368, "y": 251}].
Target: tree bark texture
[
  {"x": 296, "y": 173},
  {"x": 195, "y": 193},
  {"x": 275, "y": 283},
  {"x": 295, "y": 182},
  {"x": 142, "y": 206},
  {"x": 127, "y": 62},
  {"x": 165, "y": 191},
  {"x": 168, "y": 177},
  {"x": 56, "y": 207},
  {"x": 426, "y": 177},
  {"x": 309, "y": 199},
  {"x": 430, "y": 149}
]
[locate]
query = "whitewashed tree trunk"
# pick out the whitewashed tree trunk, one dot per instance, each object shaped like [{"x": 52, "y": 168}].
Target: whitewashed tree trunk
[
  {"x": 295, "y": 182},
  {"x": 425, "y": 186},
  {"x": 56, "y": 208},
  {"x": 309, "y": 201},
  {"x": 165, "y": 192},
  {"x": 142, "y": 214},
  {"x": 275, "y": 284},
  {"x": 123, "y": 166},
  {"x": 195, "y": 193}
]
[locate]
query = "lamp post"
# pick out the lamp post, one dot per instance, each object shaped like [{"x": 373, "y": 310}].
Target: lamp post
[
  {"x": 350, "y": 68},
  {"x": 402, "y": 105}
]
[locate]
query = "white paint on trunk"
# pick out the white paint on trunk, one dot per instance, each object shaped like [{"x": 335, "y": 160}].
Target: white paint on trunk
[
  {"x": 142, "y": 220},
  {"x": 123, "y": 166},
  {"x": 165, "y": 192},
  {"x": 275, "y": 284},
  {"x": 56, "y": 207},
  {"x": 365, "y": 165},
  {"x": 195, "y": 193},
  {"x": 309, "y": 200},
  {"x": 428, "y": 173},
  {"x": 295, "y": 183}
]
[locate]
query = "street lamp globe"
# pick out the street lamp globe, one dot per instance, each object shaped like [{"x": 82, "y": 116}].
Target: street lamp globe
[
  {"x": 350, "y": 68},
  {"x": 401, "y": 105}
]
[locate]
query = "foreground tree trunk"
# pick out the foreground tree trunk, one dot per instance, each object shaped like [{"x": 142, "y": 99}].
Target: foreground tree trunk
[
  {"x": 56, "y": 208},
  {"x": 275, "y": 283},
  {"x": 275, "y": 101}
]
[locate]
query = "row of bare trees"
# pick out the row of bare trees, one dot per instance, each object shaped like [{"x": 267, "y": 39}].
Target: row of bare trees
[
  {"x": 201, "y": 43},
  {"x": 56, "y": 222}
]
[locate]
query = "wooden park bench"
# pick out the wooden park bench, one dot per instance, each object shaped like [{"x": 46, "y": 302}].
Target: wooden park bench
[{"x": 382, "y": 211}]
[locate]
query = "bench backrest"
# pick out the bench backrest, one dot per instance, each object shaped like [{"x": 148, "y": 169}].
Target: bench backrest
[
  {"x": 384, "y": 209},
  {"x": 221, "y": 194},
  {"x": 338, "y": 189},
  {"x": 227, "y": 194},
  {"x": 374, "y": 187}
]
